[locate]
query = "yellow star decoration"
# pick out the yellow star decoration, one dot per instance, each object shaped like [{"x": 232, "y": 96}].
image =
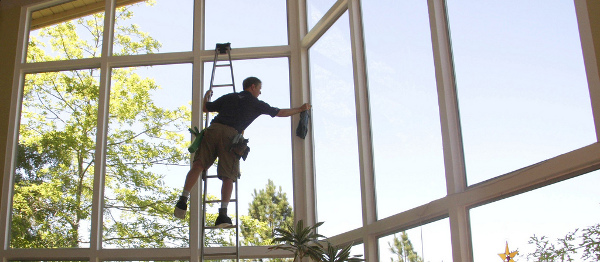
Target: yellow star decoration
[{"x": 508, "y": 256}]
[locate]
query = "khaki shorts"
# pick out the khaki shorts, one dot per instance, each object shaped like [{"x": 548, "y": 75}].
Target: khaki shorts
[{"x": 217, "y": 142}]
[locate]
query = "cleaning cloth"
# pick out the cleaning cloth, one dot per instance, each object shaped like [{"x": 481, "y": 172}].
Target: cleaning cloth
[{"x": 302, "y": 128}]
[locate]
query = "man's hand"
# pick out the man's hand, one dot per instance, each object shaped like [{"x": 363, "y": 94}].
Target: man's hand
[
  {"x": 207, "y": 96},
  {"x": 305, "y": 107}
]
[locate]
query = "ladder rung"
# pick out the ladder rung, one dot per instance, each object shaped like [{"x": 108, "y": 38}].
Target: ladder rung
[
  {"x": 213, "y": 176},
  {"x": 219, "y": 201},
  {"x": 222, "y": 65},
  {"x": 222, "y": 85},
  {"x": 215, "y": 227},
  {"x": 221, "y": 254}
]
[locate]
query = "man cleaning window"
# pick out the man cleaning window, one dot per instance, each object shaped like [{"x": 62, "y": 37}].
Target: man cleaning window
[{"x": 223, "y": 139}]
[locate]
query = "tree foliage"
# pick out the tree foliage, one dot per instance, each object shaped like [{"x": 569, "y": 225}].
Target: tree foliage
[
  {"x": 268, "y": 210},
  {"x": 403, "y": 248},
  {"x": 57, "y": 146},
  {"x": 566, "y": 249}
]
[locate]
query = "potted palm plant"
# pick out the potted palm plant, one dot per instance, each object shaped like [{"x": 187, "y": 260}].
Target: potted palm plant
[
  {"x": 335, "y": 254},
  {"x": 300, "y": 240},
  {"x": 305, "y": 242}
]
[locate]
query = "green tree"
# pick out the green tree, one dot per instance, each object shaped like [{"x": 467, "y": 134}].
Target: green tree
[
  {"x": 567, "y": 248},
  {"x": 403, "y": 248},
  {"x": 268, "y": 210},
  {"x": 57, "y": 142}
]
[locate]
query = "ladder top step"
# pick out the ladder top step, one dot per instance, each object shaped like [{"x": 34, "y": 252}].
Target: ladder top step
[
  {"x": 222, "y": 85},
  {"x": 219, "y": 201},
  {"x": 223, "y": 47}
]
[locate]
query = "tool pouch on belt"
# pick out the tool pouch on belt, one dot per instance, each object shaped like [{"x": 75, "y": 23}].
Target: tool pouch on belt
[
  {"x": 199, "y": 135},
  {"x": 239, "y": 146}
]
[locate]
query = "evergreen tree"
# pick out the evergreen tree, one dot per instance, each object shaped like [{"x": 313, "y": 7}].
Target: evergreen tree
[
  {"x": 403, "y": 248},
  {"x": 54, "y": 173},
  {"x": 268, "y": 210}
]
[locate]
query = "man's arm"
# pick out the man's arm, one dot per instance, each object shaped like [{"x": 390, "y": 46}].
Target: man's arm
[
  {"x": 207, "y": 96},
  {"x": 293, "y": 111}
]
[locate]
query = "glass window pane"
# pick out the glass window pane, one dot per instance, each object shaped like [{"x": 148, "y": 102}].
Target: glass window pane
[
  {"x": 521, "y": 83},
  {"x": 55, "y": 164},
  {"x": 158, "y": 26},
  {"x": 246, "y": 23},
  {"x": 430, "y": 242},
  {"x": 334, "y": 127},
  {"x": 404, "y": 106},
  {"x": 57, "y": 34},
  {"x": 551, "y": 212},
  {"x": 316, "y": 9},
  {"x": 150, "y": 113},
  {"x": 267, "y": 172},
  {"x": 358, "y": 251}
]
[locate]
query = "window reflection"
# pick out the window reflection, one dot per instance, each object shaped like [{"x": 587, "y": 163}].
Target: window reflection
[
  {"x": 246, "y": 23},
  {"x": 334, "y": 123},
  {"x": 522, "y": 88},
  {"x": 405, "y": 120},
  {"x": 138, "y": 30}
]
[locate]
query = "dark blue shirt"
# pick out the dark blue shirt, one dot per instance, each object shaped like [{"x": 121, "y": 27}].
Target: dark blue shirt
[{"x": 239, "y": 110}]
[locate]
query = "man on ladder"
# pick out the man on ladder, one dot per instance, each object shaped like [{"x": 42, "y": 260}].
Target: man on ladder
[{"x": 236, "y": 111}]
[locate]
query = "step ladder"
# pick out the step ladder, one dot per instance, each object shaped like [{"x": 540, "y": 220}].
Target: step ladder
[{"x": 221, "y": 49}]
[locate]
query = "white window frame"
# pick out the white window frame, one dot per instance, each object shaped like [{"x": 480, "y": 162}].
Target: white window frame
[{"x": 455, "y": 205}]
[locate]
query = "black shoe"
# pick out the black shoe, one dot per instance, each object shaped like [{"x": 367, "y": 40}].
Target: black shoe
[
  {"x": 180, "y": 208},
  {"x": 223, "y": 220}
]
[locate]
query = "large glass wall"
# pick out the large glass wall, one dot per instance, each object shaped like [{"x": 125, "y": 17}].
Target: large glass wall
[{"x": 100, "y": 134}]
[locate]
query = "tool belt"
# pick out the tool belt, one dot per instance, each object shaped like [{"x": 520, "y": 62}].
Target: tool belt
[{"x": 239, "y": 146}]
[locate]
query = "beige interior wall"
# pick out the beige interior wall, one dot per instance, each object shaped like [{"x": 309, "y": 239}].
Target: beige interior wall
[
  {"x": 9, "y": 28},
  {"x": 594, "y": 14},
  {"x": 9, "y": 24}
]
